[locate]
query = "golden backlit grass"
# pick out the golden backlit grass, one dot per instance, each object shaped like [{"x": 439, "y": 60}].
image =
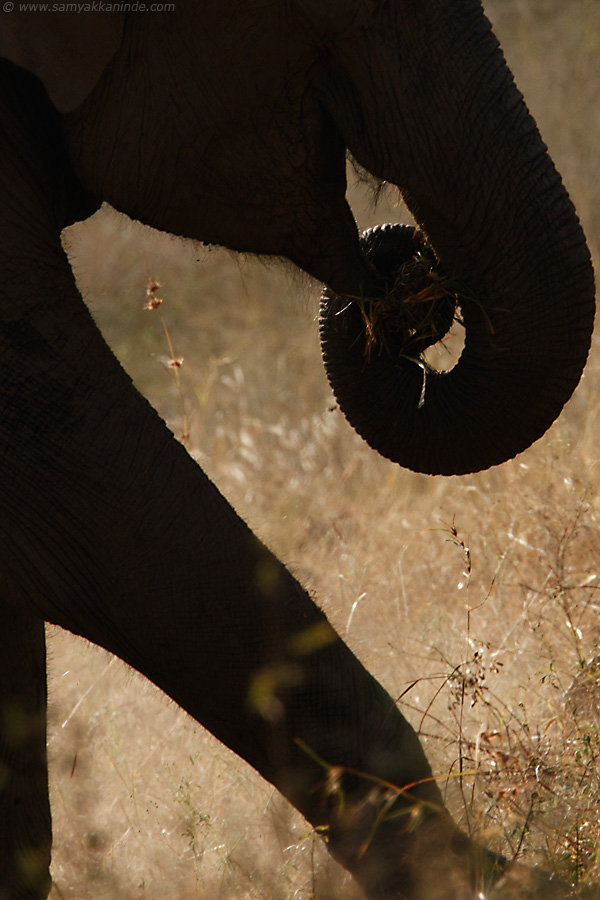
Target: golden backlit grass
[{"x": 474, "y": 600}]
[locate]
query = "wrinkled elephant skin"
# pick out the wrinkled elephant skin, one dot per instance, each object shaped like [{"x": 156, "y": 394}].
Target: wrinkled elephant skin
[{"x": 228, "y": 121}]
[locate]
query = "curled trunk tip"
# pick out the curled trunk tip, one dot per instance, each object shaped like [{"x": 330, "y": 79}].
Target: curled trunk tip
[{"x": 510, "y": 383}]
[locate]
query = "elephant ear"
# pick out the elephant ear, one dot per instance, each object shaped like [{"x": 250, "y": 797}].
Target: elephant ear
[{"x": 67, "y": 51}]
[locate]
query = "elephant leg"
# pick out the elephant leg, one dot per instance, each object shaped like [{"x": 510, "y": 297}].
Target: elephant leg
[
  {"x": 108, "y": 528},
  {"x": 111, "y": 530},
  {"x": 25, "y": 824}
]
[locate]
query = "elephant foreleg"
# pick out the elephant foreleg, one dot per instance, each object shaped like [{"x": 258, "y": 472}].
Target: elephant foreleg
[
  {"x": 111, "y": 530},
  {"x": 25, "y": 824}
]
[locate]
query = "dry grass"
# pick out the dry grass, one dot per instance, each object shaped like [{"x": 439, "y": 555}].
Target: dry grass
[{"x": 481, "y": 644}]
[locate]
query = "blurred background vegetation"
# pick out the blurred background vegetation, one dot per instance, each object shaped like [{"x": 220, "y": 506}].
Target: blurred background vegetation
[{"x": 474, "y": 600}]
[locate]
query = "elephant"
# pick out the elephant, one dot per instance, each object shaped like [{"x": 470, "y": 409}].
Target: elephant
[{"x": 229, "y": 122}]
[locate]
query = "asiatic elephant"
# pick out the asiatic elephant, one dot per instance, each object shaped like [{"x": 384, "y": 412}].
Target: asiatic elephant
[{"x": 229, "y": 122}]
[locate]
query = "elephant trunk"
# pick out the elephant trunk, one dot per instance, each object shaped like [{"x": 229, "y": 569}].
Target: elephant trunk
[{"x": 457, "y": 139}]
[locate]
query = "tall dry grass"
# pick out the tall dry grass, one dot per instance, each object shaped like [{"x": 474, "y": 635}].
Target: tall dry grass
[{"x": 474, "y": 600}]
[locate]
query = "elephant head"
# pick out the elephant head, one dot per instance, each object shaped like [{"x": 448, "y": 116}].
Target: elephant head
[
  {"x": 247, "y": 114},
  {"x": 229, "y": 122}
]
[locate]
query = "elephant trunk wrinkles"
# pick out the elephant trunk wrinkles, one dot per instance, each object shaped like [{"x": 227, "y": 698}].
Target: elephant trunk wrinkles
[{"x": 491, "y": 203}]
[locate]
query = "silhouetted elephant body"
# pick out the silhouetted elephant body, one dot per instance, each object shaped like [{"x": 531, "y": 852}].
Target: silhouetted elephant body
[{"x": 229, "y": 122}]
